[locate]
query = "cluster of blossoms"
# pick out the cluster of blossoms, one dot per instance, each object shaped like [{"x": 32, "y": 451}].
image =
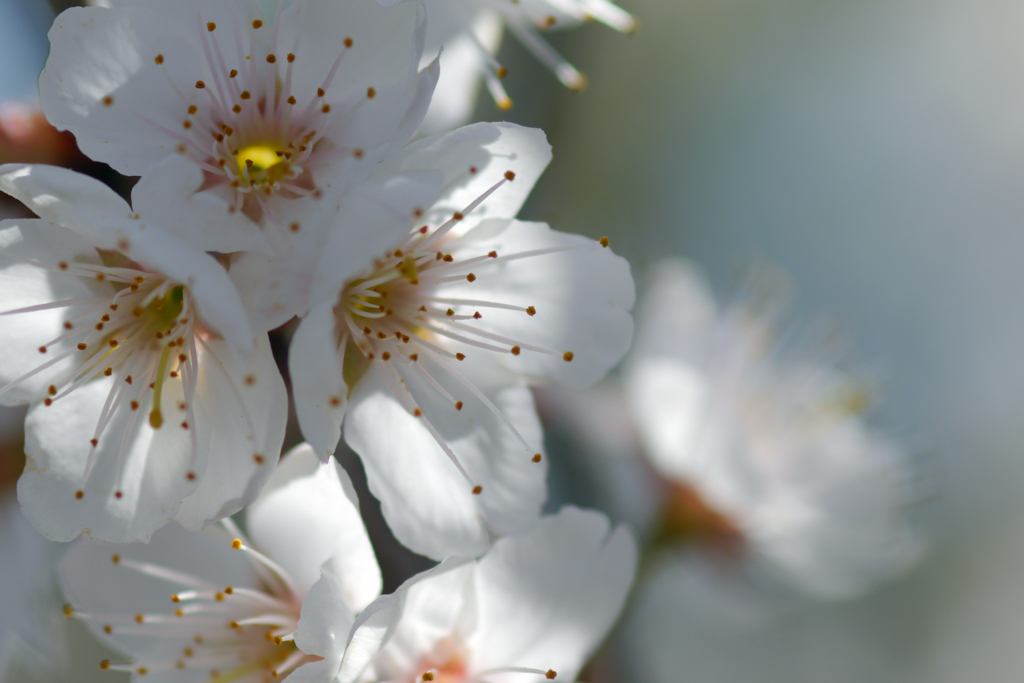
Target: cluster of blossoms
[
  {"x": 279, "y": 180},
  {"x": 282, "y": 179}
]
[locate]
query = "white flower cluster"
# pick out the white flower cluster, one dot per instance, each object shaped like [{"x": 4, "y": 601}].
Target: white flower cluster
[
  {"x": 281, "y": 180},
  {"x": 278, "y": 181}
]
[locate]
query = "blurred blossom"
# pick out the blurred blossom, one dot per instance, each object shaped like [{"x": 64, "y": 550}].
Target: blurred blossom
[
  {"x": 761, "y": 447},
  {"x": 30, "y": 616},
  {"x": 876, "y": 151},
  {"x": 468, "y": 34},
  {"x": 25, "y": 136}
]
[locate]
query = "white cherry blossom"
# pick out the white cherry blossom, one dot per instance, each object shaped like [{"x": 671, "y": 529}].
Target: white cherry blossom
[
  {"x": 470, "y": 33},
  {"x": 272, "y": 109},
  {"x": 764, "y": 450},
  {"x": 534, "y": 608},
  {"x": 150, "y": 399},
  {"x": 440, "y": 338},
  {"x": 218, "y": 605}
]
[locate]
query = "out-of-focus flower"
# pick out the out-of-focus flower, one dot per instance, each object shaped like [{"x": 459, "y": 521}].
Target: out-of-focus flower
[
  {"x": 532, "y": 609},
  {"x": 470, "y": 33},
  {"x": 272, "y": 109},
  {"x": 26, "y": 137},
  {"x": 765, "y": 453},
  {"x": 30, "y": 634},
  {"x": 439, "y": 338},
  {"x": 150, "y": 400},
  {"x": 195, "y": 606}
]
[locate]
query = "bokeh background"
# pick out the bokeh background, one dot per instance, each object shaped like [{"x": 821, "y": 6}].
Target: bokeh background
[{"x": 875, "y": 151}]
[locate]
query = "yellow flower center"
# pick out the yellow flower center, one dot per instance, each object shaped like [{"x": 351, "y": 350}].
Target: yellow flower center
[{"x": 263, "y": 162}]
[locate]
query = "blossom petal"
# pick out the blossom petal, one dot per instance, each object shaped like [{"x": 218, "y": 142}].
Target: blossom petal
[
  {"x": 427, "y": 502},
  {"x": 670, "y": 399},
  {"x": 419, "y": 614},
  {"x": 142, "y": 477},
  {"x": 371, "y": 218},
  {"x": 319, "y": 389},
  {"x": 216, "y": 297},
  {"x": 462, "y": 67},
  {"x": 371, "y": 631},
  {"x": 23, "y": 244},
  {"x": 582, "y": 297},
  {"x": 321, "y": 671},
  {"x": 832, "y": 532},
  {"x": 320, "y": 501},
  {"x": 385, "y": 54},
  {"x": 201, "y": 219},
  {"x": 76, "y": 201},
  {"x": 567, "y": 581},
  {"x": 490, "y": 149},
  {"x": 153, "y": 484},
  {"x": 243, "y": 400},
  {"x": 92, "y": 210},
  {"x": 102, "y": 80},
  {"x": 678, "y": 315},
  {"x": 418, "y": 104},
  {"x": 326, "y": 620},
  {"x": 96, "y": 586}
]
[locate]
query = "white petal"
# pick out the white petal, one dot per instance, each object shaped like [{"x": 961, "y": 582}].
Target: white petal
[
  {"x": 318, "y": 386},
  {"x": 320, "y": 671},
  {"x": 833, "y": 518},
  {"x": 547, "y": 600},
  {"x": 76, "y": 201},
  {"x": 309, "y": 513},
  {"x": 27, "y": 599},
  {"x": 56, "y": 448},
  {"x": 274, "y": 289},
  {"x": 525, "y": 152},
  {"x": 217, "y": 300},
  {"x": 370, "y": 219},
  {"x": 490, "y": 148},
  {"x": 169, "y": 195},
  {"x": 670, "y": 402},
  {"x": 327, "y": 617},
  {"x": 462, "y": 67},
  {"x": 418, "y": 105},
  {"x": 427, "y": 502},
  {"x": 22, "y": 243},
  {"x": 423, "y": 611},
  {"x": 385, "y": 55},
  {"x": 93, "y": 211},
  {"x": 371, "y": 631},
  {"x": 96, "y": 53},
  {"x": 241, "y": 408},
  {"x": 95, "y": 585},
  {"x": 384, "y": 52},
  {"x": 582, "y": 298},
  {"x": 678, "y": 314}
]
